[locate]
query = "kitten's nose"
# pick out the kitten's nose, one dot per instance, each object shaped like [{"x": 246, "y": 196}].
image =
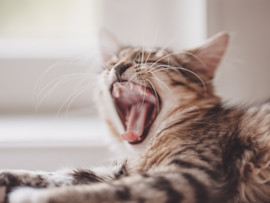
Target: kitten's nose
[{"x": 120, "y": 69}]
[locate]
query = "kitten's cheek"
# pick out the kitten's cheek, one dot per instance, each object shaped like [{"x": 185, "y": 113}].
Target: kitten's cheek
[{"x": 28, "y": 195}]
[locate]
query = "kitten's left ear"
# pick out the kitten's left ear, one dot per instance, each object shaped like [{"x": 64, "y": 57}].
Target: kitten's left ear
[
  {"x": 206, "y": 58},
  {"x": 108, "y": 44}
]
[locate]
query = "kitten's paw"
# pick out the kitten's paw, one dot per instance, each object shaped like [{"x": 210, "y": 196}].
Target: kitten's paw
[
  {"x": 28, "y": 195},
  {"x": 8, "y": 181}
]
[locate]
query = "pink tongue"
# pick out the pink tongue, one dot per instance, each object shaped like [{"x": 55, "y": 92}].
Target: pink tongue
[{"x": 135, "y": 122}]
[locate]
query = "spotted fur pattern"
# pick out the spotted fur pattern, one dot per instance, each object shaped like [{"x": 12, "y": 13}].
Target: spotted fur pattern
[{"x": 196, "y": 150}]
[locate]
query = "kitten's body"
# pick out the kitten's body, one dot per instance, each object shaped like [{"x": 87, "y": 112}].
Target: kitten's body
[{"x": 194, "y": 150}]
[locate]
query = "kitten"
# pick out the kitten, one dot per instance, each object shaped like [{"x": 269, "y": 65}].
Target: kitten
[{"x": 189, "y": 147}]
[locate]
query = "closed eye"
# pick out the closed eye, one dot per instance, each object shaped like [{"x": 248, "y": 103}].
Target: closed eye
[{"x": 175, "y": 83}]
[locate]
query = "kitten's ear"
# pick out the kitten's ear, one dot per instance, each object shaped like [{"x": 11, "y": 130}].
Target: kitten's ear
[
  {"x": 206, "y": 58},
  {"x": 108, "y": 44}
]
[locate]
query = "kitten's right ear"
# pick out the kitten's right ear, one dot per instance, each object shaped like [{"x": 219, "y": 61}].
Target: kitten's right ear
[
  {"x": 206, "y": 58},
  {"x": 108, "y": 44}
]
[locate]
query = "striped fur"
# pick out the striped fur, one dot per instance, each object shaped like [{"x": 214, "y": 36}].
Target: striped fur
[{"x": 195, "y": 151}]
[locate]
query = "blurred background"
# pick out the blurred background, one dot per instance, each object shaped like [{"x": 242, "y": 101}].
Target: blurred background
[{"x": 49, "y": 62}]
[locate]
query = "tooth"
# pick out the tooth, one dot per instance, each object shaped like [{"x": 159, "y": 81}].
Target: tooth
[{"x": 117, "y": 93}]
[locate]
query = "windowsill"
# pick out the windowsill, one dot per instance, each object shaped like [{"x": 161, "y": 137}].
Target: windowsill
[
  {"x": 49, "y": 143},
  {"x": 48, "y": 131}
]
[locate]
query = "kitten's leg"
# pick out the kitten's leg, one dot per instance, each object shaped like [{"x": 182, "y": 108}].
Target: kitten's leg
[
  {"x": 11, "y": 179},
  {"x": 173, "y": 187}
]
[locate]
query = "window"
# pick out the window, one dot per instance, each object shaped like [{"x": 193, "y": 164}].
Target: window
[
  {"x": 41, "y": 28},
  {"x": 38, "y": 35},
  {"x": 43, "y": 19}
]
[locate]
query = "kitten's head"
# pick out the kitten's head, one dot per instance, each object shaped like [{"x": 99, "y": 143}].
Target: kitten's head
[{"x": 143, "y": 88}]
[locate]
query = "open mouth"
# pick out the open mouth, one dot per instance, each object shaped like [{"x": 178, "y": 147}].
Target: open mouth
[{"x": 137, "y": 107}]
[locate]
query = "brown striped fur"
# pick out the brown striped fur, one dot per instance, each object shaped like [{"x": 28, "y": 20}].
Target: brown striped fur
[
  {"x": 230, "y": 145},
  {"x": 196, "y": 150}
]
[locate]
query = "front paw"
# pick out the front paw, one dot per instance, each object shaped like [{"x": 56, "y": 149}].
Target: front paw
[
  {"x": 28, "y": 195},
  {"x": 8, "y": 181}
]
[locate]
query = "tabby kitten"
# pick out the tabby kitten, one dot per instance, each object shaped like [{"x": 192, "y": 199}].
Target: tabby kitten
[{"x": 189, "y": 147}]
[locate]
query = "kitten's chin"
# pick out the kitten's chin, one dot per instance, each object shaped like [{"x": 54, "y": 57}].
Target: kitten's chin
[{"x": 137, "y": 107}]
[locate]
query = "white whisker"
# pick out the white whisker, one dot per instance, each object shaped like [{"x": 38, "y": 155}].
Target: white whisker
[
  {"x": 76, "y": 92},
  {"x": 58, "y": 80},
  {"x": 71, "y": 100},
  {"x": 163, "y": 83},
  {"x": 153, "y": 44},
  {"x": 44, "y": 95},
  {"x": 142, "y": 103},
  {"x": 181, "y": 52},
  {"x": 44, "y": 74},
  {"x": 184, "y": 69},
  {"x": 156, "y": 94},
  {"x": 132, "y": 77}
]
